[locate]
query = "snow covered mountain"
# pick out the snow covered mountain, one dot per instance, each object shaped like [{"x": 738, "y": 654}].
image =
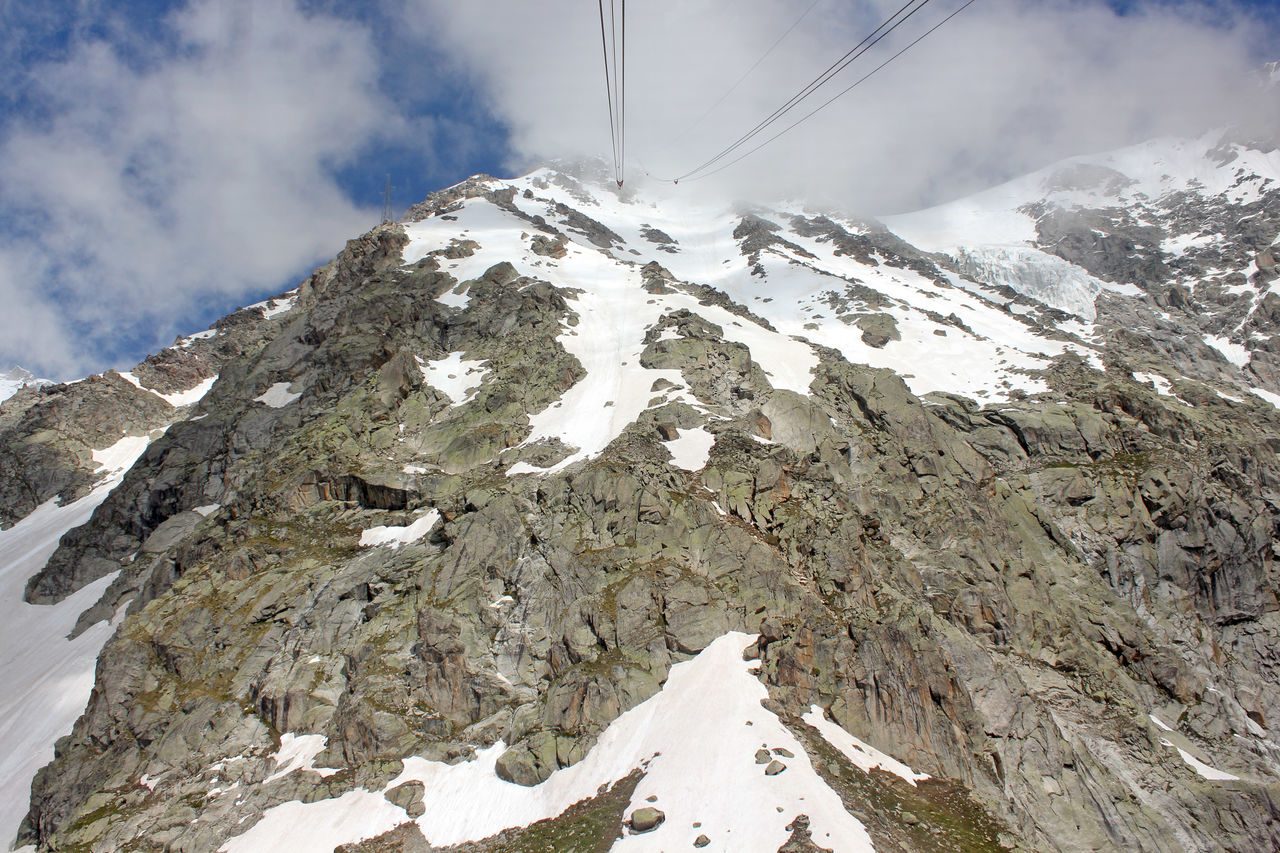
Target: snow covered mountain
[
  {"x": 15, "y": 380},
  {"x": 559, "y": 517}
]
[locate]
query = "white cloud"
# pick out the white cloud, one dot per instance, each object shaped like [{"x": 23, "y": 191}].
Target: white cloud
[
  {"x": 153, "y": 179},
  {"x": 195, "y": 174},
  {"x": 1006, "y": 87}
]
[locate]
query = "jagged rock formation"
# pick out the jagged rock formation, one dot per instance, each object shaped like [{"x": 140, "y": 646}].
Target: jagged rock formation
[{"x": 498, "y": 469}]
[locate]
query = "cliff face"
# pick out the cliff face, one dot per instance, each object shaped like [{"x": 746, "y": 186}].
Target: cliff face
[{"x": 501, "y": 497}]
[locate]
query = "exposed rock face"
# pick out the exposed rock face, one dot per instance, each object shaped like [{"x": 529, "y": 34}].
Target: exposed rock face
[
  {"x": 48, "y": 435},
  {"x": 48, "y": 432},
  {"x": 1004, "y": 593}
]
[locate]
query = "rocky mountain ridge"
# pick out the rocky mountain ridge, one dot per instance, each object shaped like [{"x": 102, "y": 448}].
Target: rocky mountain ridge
[{"x": 987, "y": 494}]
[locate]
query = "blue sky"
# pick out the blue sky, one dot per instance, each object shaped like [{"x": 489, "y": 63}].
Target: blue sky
[
  {"x": 41, "y": 32},
  {"x": 164, "y": 161}
]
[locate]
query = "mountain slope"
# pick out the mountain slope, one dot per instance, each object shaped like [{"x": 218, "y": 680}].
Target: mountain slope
[{"x": 475, "y": 525}]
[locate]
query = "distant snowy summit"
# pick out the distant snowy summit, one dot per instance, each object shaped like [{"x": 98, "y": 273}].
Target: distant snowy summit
[{"x": 17, "y": 379}]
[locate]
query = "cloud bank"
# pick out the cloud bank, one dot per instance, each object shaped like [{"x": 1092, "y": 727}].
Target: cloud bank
[
  {"x": 199, "y": 170},
  {"x": 1006, "y": 87}
]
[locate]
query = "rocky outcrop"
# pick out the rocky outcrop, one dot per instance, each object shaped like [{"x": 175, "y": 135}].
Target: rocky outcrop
[{"x": 48, "y": 435}]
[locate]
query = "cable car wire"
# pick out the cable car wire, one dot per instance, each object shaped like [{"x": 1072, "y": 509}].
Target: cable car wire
[
  {"x": 750, "y": 70},
  {"x": 890, "y": 24},
  {"x": 622, "y": 101},
  {"x": 608, "y": 86},
  {"x": 839, "y": 95}
]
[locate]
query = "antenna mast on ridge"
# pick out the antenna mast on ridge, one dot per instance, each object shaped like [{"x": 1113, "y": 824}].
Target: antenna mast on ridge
[{"x": 387, "y": 214}]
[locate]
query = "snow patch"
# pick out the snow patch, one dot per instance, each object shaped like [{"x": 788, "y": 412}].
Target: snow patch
[
  {"x": 399, "y": 536},
  {"x": 276, "y": 307},
  {"x": 1211, "y": 773},
  {"x": 1232, "y": 352},
  {"x": 1163, "y": 386},
  {"x": 459, "y": 379},
  {"x": 691, "y": 449},
  {"x": 865, "y": 756},
  {"x": 207, "y": 510},
  {"x": 278, "y": 396},
  {"x": 113, "y": 461},
  {"x": 189, "y": 397},
  {"x": 198, "y": 336},
  {"x": 177, "y": 399},
  {"x": 298, "y": 752},
  {"x": 1269, "y": 396}
]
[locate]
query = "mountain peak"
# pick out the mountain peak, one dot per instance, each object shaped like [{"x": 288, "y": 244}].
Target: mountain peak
[{"x": 15, "y": 379}]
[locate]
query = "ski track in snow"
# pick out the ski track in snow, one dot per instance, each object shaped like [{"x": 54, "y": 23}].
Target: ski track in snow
[
  {"x": 697, "y": 739},
  {"x": 47, "y": 678}
]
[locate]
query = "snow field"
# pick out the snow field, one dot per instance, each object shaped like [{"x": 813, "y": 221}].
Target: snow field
[
  {"x": 1154, "y": 168},
  {"x": 113, "y": 461},
  {"x": 15, "y": 380},
  {"x": 709, "y": 255},
  {"x": 975, "y": 365},
  {"x": 47, "y": 678},
  {"x": 696, "y": 739},
  {"x": 496, "y": 231},
  {"x": 615, "y": 312}
]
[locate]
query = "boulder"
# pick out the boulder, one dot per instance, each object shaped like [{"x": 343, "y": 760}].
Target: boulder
[{"x": 646, "y": 819}]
